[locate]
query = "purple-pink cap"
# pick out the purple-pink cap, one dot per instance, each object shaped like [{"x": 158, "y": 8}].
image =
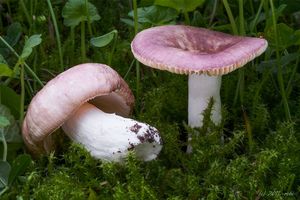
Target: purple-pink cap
[
  {"x": 187, "y": 50},
  {"x": 61, "y": 97}
]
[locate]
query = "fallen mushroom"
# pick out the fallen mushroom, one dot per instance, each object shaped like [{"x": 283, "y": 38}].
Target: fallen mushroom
[
  {"x": 90, "y": 101},
  {"x": 203, "y": 54}
]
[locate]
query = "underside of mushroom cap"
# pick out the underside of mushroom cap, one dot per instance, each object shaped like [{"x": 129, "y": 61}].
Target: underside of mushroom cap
[
  {"x": 64, "y": 94},
  {"x": 187, "y": 50}
]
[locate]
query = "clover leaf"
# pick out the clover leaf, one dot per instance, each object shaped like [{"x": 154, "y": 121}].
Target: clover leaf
[{"x": 76, "y": 11}]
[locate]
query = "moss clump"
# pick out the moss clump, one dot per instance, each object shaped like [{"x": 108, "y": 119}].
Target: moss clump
[
  {"x": 217, "y": 169},
  {"x": 60, "y": 186}
]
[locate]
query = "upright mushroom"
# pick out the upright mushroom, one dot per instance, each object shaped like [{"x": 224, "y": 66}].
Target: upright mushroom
[
  {"x": 203, "y": 54},
  {"x": 90, "y": 101}
]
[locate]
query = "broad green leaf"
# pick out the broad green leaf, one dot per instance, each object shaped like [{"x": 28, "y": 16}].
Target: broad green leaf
[
  {"x": 18, "y": 167},
  {"x": 10, "y": 99},
  {"x": 255, "y": 22},
  {"x": 198, "y": 20},
  {"x": 31, "y": 42},
  {"x": 4, "y": 173},
  {"x": 292, "y": 5},
  {"x": 129, "y": 22},
  {"x": 278, "y": 13},
  {"x": 5, "y": 70},
  {"x": 285, "y": 36},
  {"x": 284, "y": 61},
  {"x": 11, "y": 132},
  {"x": 104, "y": 40},
  {"x": 156, "y": 15},
  {"x": 13, "y": 35},
  {"x": 76, "y": 11},
  {"x": 146, "y": 2},
  {"x": 180, "y": 5},
  {"x": 142, "y": 14},
  {"x": 4, "y": 121}
]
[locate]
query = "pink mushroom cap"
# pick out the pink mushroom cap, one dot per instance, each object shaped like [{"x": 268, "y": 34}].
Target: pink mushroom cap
[
  {"x": 62, "y": 96},
  {"x": 187, "y": 50}
]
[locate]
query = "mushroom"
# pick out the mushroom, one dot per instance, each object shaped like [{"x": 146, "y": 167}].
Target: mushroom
[
  {"x": 203, "y": 54},
  {"x": 90, "y": 102}
]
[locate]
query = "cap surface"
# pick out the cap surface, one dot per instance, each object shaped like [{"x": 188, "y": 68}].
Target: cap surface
[
  {"x": 186, "y": 50},
  {"x": 63, "y": 95}
]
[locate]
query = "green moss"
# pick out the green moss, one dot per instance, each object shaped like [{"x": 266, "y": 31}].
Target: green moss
[{"x": 60, "y": 186}]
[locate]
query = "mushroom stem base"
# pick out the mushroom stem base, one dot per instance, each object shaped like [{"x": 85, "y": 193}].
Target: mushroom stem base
[
  {"x": 110, "y": 137},
  {"x": 201, "y": 89}
]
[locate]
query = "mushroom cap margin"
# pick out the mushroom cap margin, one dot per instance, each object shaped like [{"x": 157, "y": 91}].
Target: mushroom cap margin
[{"x": 186, "y": 50}]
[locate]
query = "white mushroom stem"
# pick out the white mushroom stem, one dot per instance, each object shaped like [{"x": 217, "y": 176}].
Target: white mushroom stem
[
  {"x": 201, "y": 89},
  {"x": 110, "y": 137}
]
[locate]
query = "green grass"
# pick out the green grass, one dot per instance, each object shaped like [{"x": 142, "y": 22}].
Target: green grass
[{"x": 260, "y": 155}]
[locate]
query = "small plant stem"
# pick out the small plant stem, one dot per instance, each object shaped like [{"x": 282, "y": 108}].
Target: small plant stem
[
  {"x": 253, "y": 25},
  {"x": 248, "y": 129},
  {"x": 187, "y": 18},
  {"x": 83, "y": 53},
  {"x": 213, "y": 13},
  {"x": 235, "y": 32},
  {"x": 22, "y": 97},
  {"x": 72, "y": 35},
  {"x": 29, "y": 88},
  {"x": 88, "y": 19},
  {"x": 129, "y": 69},
  {"x": 113, "y": 47},
  {"x": 33, "y": 4},
  {"x": 137, "y": 63},
  {"x": 230, "y": 16},
  {"x": 294, "y": 72},
  {"x": 1, "y": 24},
  {"x": 26, "y": 66},
  {"x": 135, "y": 16},
  {"x": 4, "y": 146},
  {"x": 239, "y": 92},
  {"x": 258, "y": 89},
  {"x": 138, "y": 78},
  {"x": 35, "y": 69},
  {"x": 241, "y": 73},
  {"x": 31, "y": 7},
  {"x": 33, "y": 74},
  {"x": 4, "y": 190},
  {"x": 279, "y": 67},
  {"x": 251, "y": 7},
  {"x": 266, "y": 8},
  {"x": 57, "y": 35},
  {"x": 27, "y": 15},
  {"x": 292, "y": 180},
  {"x": 241, "y": 17},
  {"x": 8, "y": 7},
  {"x": 32, "y": 26}
]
